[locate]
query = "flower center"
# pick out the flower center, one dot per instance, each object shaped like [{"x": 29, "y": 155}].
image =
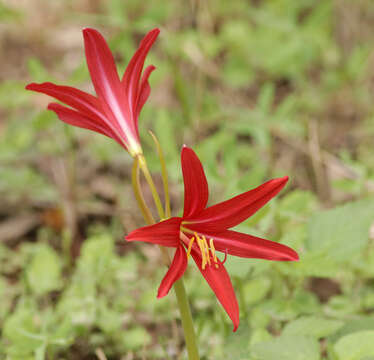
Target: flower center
[{"x": 208, "y": 253}]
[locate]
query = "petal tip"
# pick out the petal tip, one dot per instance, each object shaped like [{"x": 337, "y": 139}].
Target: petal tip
[
  {"x": 296, "y": 257},
  {"x": 128, "y": 238},
  {"x": 90, "y": 33},
  {"x": 160, "y": 295},
  {"x": 285, "y": 178},
  {"x": 88, "y": 30},
  {"x": 292, "y": 255},
  {"x": 184, "y": 149},
  {"x": 53, "y": 106},
  {"x": 155, "y": 31}
]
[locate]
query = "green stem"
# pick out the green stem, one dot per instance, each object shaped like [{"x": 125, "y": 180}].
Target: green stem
[
  {"x": 187, "y": 323},
  {"x": 148, "y": 177},
  {"x": 180, "y": 292},
  {"x": 138, "y": 193},
  {"x": 164, "y": 174}
]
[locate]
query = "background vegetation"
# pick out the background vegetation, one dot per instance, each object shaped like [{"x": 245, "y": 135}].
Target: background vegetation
[{"x": 259, "y": 89}]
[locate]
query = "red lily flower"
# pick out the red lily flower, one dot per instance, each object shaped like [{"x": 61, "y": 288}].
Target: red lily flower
[
  {"x": 115, "y": 110},
  {"x": 202, "y": 231}
]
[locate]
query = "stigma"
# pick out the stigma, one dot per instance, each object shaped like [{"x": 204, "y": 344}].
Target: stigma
[{"x": 208, "y": 252}]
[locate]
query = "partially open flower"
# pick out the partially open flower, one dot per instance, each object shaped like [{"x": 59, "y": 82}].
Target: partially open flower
[{"x": 115, "y": 110}]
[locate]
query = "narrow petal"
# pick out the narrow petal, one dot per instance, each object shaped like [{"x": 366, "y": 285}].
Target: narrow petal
[
  {"x": 248, "y": 246},
  {"x": 164, "y": 233},
  {"x": 144, "y": 90},
  {"x": 196, "y": 191},
  {"x": 232, "y": 212},
  {"x": 219, "y": 281},
  {"x": 108, "y": 87},
  {"x": 101, "y": 65},
  {"x": 77, "y": 99},
  {"x": 75, "y": 118},
  {"x": 176, "y": 270},
  {"x": 86, "y": 104},
  {"x": 131, "y": 77}
]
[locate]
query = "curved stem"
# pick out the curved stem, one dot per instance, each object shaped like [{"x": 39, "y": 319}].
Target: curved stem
[
  {"x": 164, "y": 174},
  {"x": 138, "y": 193},
  {"x": 148, "y": 177}
]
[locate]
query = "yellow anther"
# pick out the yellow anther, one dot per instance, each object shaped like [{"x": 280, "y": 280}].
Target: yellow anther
[
  {"x": 206, "y": 249},
  {"x": 200, "y": 242},
  {"x": 213, "y": 251},
  {"x": 190, "y": 247}
]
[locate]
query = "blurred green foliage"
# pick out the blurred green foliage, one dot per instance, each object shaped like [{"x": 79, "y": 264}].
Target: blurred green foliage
[{"x": 248, "y": 85}]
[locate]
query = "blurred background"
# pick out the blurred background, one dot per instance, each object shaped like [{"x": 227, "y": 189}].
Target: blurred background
[{"x": 259, "y": 89}]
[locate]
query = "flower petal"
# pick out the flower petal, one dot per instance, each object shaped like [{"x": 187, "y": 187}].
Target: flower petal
[
  {"x": 196, "y": 191},
  {"x": 144, "y": 90},
  {"x": 164, "y": 233},
  {"x": 232, "y": 212},
  {"x": 75, "y": 118},
  {"x": 86, "y": 104},
  {"x": 219, "y": 281},
  {"x": 108, "y": 87},
  {"x": 77, "y": 99},
  {"x": 101, "y": 65},
  {"x": 176, "y": 270},
  {"x": 248, "y": 246},
  {"x": 131, "y": 77}
]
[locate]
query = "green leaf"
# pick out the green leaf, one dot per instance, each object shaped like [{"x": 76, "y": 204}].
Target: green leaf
[
  {"x": 343, "y": 231},
  {"x": 355, "y": 346},
  {"x": 44, "y": 272},
  {"x": 255, "y": 290},
  {"x": 21, "y": 330},
  {"x": 356, "y": 325},
  {"x": 295, "y": 347},
  {"x": 317, "y": 327}
]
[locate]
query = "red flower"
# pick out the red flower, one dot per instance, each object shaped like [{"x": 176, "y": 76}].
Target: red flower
[
  {"x": 115, "y": 110},
  {"x": 202, "y": 231}
]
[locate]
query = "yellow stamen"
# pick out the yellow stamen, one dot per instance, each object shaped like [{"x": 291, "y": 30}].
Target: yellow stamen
[
  {"x": 200, "y": 242},
  {"x": 206, "y": 250},
  {"x": 190, "y": 247}
]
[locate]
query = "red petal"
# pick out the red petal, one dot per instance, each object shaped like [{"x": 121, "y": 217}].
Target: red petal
[
  {"x": 107, "y": 84},
  {"x": 79, "y": 100},
  {"x": 134, "y": 69},
  {"x": 101, "y": 65},
  {"x": 196, "y": 191},
  {"x": 85, "y": 103},
  {"x": 165, "y": 233},
  {"x": 176, "y": 270},
  {"x": 232, "y": 212},
  {"x": 144, "y": 90},
  {"x": 219, "y": 280},
  {"x": 75, "y": 118},
  {"x": 248, "y": 246}
]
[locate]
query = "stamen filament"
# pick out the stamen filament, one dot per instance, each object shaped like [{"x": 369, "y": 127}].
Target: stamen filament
[{"x": 200, "y": 242}]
